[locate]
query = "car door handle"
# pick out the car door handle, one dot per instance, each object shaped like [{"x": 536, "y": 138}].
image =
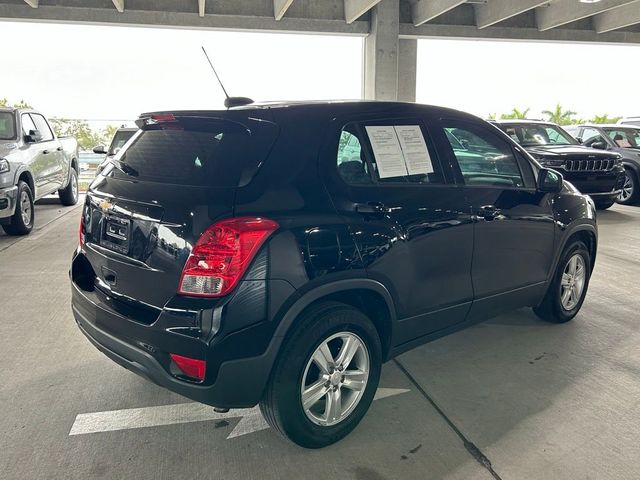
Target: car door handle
[
  {"x": 59, "y": 149},
  {"x": 488, "y": 212},
  {"x": 45, "y": 152},
  {"x": 376, "y": 208}
]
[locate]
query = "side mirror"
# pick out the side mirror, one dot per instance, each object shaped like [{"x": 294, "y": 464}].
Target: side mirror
[
  {"x": 549, "y": 181},
  {"x": 599, "y": 145},
  {"x": 33, "y": 136},
  {"x": 100, "y": 150}
]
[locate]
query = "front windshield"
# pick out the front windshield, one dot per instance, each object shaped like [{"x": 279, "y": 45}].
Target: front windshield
[
  {"x": 533, "y": 134},
  {"x": 624, "y": 137},
  {"x": 7, "y": 126},
  {"x": 120, "y": 138}
]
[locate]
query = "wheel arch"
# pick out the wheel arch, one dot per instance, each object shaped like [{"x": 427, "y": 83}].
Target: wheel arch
[
  {"x": 25, "y": 176},
  {"x": 368, "y": 296},
  {"x": 633, "y": 166},
  {"x": 588, "y": 234}
]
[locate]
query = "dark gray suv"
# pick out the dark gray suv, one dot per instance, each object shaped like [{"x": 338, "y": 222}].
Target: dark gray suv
[{"x": 622, "y": 139}]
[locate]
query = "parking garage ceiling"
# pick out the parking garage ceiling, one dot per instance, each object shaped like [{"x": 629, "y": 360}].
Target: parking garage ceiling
[{"x": 555, "y": 20}]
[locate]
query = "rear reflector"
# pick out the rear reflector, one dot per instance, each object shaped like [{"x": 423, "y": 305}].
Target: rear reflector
[
  {"x": 222, "y": 254},
  {"x": 191, "y": 367}
]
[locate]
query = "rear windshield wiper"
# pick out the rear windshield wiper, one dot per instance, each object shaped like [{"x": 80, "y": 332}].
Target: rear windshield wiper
[{"x": 124, "y": 168}]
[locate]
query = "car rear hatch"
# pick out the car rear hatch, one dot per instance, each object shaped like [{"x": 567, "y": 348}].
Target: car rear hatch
[{"x": 145, "y": 212}]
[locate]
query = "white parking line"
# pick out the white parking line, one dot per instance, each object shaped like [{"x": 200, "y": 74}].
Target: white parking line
[{"x": 251, "y": 419}]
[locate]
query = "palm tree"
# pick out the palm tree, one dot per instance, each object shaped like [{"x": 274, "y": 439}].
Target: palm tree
[
  {"x": 559, "y": 116},
  {"x": 515, "y": 113},
  {"x": 604, "y": 119}
]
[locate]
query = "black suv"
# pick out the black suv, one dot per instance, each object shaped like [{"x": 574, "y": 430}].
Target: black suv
[
  {"x": 280, "y": 253},
  {"x": 597, "y": 173}
]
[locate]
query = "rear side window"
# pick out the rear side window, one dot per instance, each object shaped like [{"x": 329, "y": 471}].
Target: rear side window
[
  {"x": 352, "y": 164},
  {"x": 196, "y": 151},
  {"x": 484, "y": 158},
  {"x": 392, "y": 151}
]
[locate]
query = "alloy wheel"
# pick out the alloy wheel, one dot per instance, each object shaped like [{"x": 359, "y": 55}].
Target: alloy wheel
[
  {"x": 573, "y": 281},
  {"x": 335, "y": 378},
  {"x": 627, "y": 188},
  {"x": 74, "y": 186},
  {"x": 25, "y": 207}
]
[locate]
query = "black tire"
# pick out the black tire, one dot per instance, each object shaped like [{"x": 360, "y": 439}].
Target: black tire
[
  {"x": 631, "y": 181},
  {"x": 282, "y": 405},
  {"x": 551, "y": 309},
  {"x": 69, "y": 194},
  {"x": 17, "y": 225}
]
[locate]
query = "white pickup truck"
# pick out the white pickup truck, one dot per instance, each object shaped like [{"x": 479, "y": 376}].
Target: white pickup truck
[{"x": 33, "y": 163}]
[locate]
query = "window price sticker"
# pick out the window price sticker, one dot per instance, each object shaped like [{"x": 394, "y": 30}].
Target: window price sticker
[{"x": 399, "y": 150}]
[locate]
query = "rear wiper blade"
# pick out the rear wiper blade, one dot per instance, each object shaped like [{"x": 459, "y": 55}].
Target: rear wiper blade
[{"x": 124, "y": 168}]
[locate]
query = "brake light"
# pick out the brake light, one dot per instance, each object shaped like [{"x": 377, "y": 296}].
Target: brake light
[
  {"x": 222, "y": 254},
  {"x": 191, "y": 367},
  {"x": 164, "y": 117}
]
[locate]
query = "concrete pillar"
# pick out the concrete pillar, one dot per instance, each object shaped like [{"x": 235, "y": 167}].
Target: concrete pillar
[
  {"x": 407, "y": 66},
  {"x": 380, "y": 72}
]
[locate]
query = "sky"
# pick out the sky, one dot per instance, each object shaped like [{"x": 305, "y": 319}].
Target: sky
[
  {"x": 116, "y": 73},
  {"x": 102, "y": 72},
  {"x": 484, "y": 77}
]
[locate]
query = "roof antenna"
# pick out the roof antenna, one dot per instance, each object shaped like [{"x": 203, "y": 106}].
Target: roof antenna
[{"x": 229, "y": 101}]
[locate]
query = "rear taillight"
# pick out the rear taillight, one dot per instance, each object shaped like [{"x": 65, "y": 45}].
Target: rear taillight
[
  {"x": 222, "y": 254},
  {"x": 191, "y": 367},
  {"x": 81, "y": 231}
]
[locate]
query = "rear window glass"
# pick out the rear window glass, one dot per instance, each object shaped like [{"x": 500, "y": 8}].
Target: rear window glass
[
  {"x": 7, "y": 126},
  {"x": 197, "y": 152}
]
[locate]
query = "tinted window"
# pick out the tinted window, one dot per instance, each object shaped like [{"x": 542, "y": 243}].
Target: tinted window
[
  {"x": 27, "y": 124},
  {"x": 197, "y": 152},
  {"x": 624, "y": 137},
  {"x": 393, "y": 151},
  {"x": 7, "y": 126},
  {"x": 42, "y": 126},
  {"x": 484, "y": 158},
  {"x": 352, "y": 165},
  {"x": 591, "y": 136}
]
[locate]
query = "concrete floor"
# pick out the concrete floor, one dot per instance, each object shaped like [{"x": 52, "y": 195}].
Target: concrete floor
[{"x": 513, "y": 398}]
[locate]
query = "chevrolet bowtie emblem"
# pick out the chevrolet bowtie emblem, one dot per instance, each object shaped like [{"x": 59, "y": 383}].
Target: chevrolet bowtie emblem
[{"x": 105, "y": 205}]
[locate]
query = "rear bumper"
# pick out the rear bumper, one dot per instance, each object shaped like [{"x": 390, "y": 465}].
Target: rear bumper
[
  {"x": 238, "y": 382},
  {"x": 8, "y": 198}
]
